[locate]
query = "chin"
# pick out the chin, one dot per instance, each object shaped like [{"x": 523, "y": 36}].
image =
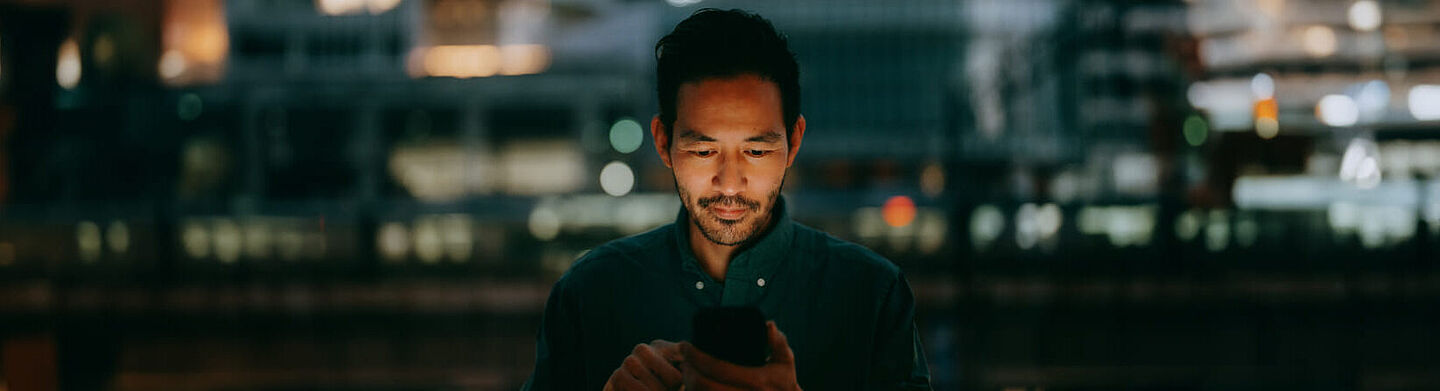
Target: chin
[{"x": 731, "y": 232}]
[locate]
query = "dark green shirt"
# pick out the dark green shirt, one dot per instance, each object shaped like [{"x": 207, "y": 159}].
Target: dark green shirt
[{"x": 847, "y": 312}]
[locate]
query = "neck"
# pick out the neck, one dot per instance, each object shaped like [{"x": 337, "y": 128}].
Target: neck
[{"x": 714, "y": 257}]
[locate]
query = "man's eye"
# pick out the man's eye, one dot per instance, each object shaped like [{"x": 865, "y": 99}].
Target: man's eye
[
  {"x": 702, "y": 153},
  {"x": 757, "y": 152}
]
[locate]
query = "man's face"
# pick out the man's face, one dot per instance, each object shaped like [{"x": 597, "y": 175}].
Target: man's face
[{"x": 729, "y": 153}]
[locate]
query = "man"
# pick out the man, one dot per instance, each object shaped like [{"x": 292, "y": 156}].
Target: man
[{"x": 729, "y": 127}]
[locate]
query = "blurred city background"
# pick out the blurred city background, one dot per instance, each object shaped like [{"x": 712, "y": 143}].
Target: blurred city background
[{"x": 378, "y": 194}]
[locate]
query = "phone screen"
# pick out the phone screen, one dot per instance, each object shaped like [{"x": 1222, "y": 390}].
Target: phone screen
[{"x": 734, "y": 334}]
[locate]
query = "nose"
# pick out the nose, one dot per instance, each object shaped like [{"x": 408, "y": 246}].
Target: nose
[{"x": 730, "y": 175}]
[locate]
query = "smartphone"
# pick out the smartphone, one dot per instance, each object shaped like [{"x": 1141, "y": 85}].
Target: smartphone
[{"x": 734, "y": 334}]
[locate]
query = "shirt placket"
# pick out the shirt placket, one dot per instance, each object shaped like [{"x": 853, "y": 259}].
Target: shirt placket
[
  {"x": 706, "y": 291},
  {"x": 736, "y": 292},
  {"x": 747, "y": 276},
  {"x": 744, "y": 281}
]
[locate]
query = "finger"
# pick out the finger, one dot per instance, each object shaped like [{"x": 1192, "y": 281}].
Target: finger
[
  {"x": 720, "y": 370},
  {"x": 687, "y": 374},
  {"x": 636, "y": 368},
  {"x": 779, "y": 345},
  {"x": 662, "y": 369},
  {"x": 696, "y": 381},
  {"x": 670, "y": 351},
  {"x": 621, "y": 380},
  {"x": 705, "y": 384}
]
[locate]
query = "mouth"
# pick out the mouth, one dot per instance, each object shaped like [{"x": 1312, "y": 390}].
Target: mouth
[{"x": 728, "y": 213}]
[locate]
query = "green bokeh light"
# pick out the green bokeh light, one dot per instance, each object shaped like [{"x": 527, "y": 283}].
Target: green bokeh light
[
  {"x": 189, "y": 106},
  {"x": 1196, "y": 130},
  {"x": 626, "y": 135}
]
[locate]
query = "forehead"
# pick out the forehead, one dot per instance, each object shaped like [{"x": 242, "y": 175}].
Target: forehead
[{"x": 745, "y": 103}]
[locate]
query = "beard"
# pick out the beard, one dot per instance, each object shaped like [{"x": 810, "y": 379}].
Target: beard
[{"x": 727, "y": 232}]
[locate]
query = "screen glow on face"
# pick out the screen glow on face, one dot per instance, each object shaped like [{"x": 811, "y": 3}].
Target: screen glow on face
[{"x": 729, "y": 154}]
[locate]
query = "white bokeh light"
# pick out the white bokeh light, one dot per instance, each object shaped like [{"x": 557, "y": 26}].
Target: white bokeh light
[
  {"x": 987, "y": 223},
  {"x": 1364, "y": 15},
  {"x": 1372, "y": 99},
  {"x": 226, "y": 240},
  {"x": 1027, "y": 226},
  {"x": 195, "y": 238},
  {"x": 394, "y": 241},
  {"x": 1319, "y": 41},
  {"x": 1361, "y": 164},
  {"x": 117, "y": 236},
  {"x": 1337, "y": 110},
  {"x": 67, "y": 66},
  {"x": 617, "y": 179},
  {"x": 544, "y": 223},
  {"x": 427, "y": 241},
  {"x": 87, "y": 240},
  {"x": 1424, "y": 102},
  {"x": 1262, "y": 86},
  {"x": 172, "y": 64}
]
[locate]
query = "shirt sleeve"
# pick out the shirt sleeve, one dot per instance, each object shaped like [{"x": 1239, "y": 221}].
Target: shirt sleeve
[
  {"x": 899, "y": 361},
  {"x": 558, "y": 362}
]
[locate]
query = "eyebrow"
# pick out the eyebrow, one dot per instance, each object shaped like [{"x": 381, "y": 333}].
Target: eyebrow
[
  {"x": 769, "y": 137},
  {"x": 693, "y": 136}
]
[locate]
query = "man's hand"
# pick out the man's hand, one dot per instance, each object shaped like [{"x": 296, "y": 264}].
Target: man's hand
[
  {"x": 650, "y": 366},
  {"x": 704, "y": 372}
]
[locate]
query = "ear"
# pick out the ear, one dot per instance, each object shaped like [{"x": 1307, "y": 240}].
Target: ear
[
  {"x": 796, "y": 135},
  {"x": 662, "y": 140}
]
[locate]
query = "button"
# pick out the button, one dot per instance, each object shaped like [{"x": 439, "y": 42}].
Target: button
[
  {"x": 701, "y": 284},
  {"x": 760, "y": 282}
]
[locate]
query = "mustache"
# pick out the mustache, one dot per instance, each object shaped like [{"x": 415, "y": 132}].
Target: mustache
[{"x": 731, "y": 201}]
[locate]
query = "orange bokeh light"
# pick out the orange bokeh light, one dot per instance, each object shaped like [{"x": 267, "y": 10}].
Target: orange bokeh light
[
  {"x": 195, "y": 42},
  {"x": 899, "y": 211},
  {"x": 1267, "y": 108}
]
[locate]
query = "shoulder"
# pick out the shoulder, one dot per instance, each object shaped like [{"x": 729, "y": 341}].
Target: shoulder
[
  {"x": 640, "y": 251},
  {"x": 836, "y": 253}
]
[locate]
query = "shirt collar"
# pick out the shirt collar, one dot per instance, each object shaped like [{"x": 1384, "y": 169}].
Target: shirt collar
[{"x": 759, "y": 260}]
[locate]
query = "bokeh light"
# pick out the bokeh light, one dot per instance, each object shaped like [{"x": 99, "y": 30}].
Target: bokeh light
[
  {"x": 899, "y": 211},
  {"x": 426, "y": 236},
  {"x": 1195, "y": 130},
  {"x": 227, "y": 240},
  {"x": 1364, "y": 15},
  {"x": 987, "y": 223},
  {"x": 932, "y": 180},
  {"x": 172, "y": 64},
  {"x": 1424, "y": 102},
  {"x": 626, "y": 135},
  {"x": 1337, "y": 110},
  {"x": 394, "y": 241},
  {"x": 1262, "y": 86},
  {"x": 544, "y": 223},
  {"x": 67, "y": 67},
  {"x": 189, "y": 106},
  {"x": 117, "y": 237},
  {"x": 617, "y": 179},
  {"x": 87, "y": 239},
  {"x": 1319, "y": 41},
  {"x": 1360, "y": 165},
  {"x": 1267, "y": 114}
]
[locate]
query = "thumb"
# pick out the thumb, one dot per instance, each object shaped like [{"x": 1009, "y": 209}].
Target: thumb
[
  {"x": 670, "y": 351},
  {"x": 779, "y": 345}
]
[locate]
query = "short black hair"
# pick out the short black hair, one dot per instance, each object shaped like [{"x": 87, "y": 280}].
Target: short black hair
[{"x": 724, "y": 43}]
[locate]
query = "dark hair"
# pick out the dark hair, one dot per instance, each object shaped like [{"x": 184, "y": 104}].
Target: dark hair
[{"x": 720, "y": 43}]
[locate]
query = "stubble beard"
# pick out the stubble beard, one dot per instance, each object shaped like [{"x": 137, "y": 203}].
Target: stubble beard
[{"x": 729, "y": 232}]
